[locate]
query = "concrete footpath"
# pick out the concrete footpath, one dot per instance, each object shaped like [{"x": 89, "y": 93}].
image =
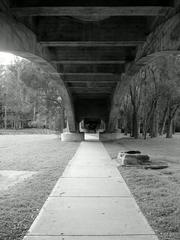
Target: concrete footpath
[{"x": 90, "y": 201}]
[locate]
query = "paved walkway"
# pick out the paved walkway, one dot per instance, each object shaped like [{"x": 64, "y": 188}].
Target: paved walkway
[{"x": 90, "y": 201}]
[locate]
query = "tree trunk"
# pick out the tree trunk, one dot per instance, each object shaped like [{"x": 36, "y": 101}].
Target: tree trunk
[
  {"x": 174, "y": 127},
  {"x": 5, "y": 117},
  {"x": 125, "y": 125},
  {"x": 163, "y": 121},
  {"x": 126, "y": 130},
  {"x": 34, "y": 113},
  {"x": 169, "y": 128},
  {"x": 145, "y": 129},
  {"x": 135, "y": 127},
  {"x": 155, "y": 122},
  {"x": 155, "y": 126},
  {"x": 171, "y": 117}
]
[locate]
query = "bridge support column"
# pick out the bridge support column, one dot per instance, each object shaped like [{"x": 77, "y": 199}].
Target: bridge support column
[{"x": 69, "y": 136}]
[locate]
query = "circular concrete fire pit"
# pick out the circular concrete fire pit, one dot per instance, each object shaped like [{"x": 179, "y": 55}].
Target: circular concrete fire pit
[{"x": 133, "y": 158}]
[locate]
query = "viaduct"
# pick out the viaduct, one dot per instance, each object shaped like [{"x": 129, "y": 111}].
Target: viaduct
[{"x": 93, "y": 48}]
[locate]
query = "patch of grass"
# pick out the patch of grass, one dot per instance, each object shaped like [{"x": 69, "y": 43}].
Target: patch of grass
[
  {"x": 20, "y": 204},
  {"x": 157, "y": 192}
]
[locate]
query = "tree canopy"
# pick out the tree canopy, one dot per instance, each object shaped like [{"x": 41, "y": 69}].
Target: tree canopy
[
  {"x": 29, "y": 97},
  {"x": 151, "y": 105}
]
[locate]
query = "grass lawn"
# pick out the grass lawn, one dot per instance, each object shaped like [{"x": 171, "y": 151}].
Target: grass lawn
[
  {"x": 20, "y": 204},
  {"x": 156, "y": 191}
]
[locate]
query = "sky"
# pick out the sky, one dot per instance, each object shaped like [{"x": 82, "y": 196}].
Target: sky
[{"x": 6, "y": 58}]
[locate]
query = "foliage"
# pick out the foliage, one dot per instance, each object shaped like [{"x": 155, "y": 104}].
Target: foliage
[
  {"x": 29, "y": 97},
  {"x": 155, "y": 99}
]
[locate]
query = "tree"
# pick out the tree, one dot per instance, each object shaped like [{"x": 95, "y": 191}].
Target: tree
[
  {"x": 48, "y": 105},
  {"x": 29, "y": 95},
  {"x": 155, "y": 98},
  {"x": 135, "y": 96}
]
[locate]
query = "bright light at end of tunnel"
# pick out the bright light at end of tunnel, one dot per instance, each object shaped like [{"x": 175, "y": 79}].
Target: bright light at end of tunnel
[{"x": 6, "y": 58}]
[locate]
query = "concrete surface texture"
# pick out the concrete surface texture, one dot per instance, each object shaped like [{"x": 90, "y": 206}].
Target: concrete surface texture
[{"x": 90, "y": 201}]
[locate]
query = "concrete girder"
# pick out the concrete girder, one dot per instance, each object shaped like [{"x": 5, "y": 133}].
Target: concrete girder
[
  {"x": 91, "y": 68},
  {"x": 54, "y": 29},
  {"x": 92, "y": 13},
  {"x": 91, "y": 43},
  {"x": 89, "y": 56},
  {"x": 166, "y": 37},
  {"x": 163, "y": 41},
  {"x": 19, "y": 40}
]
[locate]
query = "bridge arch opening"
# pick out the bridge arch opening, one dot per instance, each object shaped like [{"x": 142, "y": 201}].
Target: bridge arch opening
[
  {"x": 89, "y": 58},
  {"x": 92, "y": 125}
]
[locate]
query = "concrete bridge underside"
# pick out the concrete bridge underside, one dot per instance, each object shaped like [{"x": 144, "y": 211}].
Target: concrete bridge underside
[{"x": 92, "y": 48}]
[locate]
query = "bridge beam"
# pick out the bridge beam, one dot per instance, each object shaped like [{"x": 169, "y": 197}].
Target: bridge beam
[
  {"x": 91, "y": 43},
  {"x": 166, "y": 37},
  {"x": 95, "y": 12}
]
